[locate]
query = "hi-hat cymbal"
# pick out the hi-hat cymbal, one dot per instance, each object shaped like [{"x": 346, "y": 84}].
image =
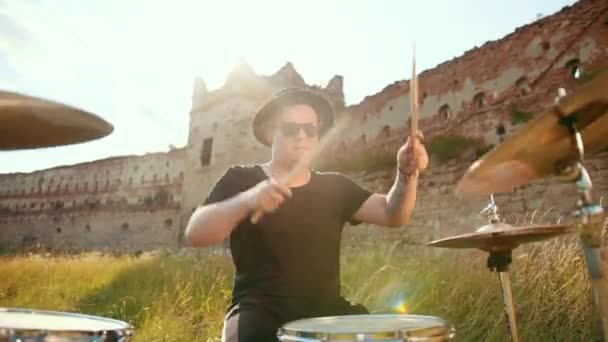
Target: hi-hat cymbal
[
  {"x": 545, "y": 144},
  {"x": 501, "y": 237},
  {"x": 29, "y": 122}
]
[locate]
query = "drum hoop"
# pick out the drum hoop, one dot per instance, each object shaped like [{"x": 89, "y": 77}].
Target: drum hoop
[
  {"x": 442, "y": 332},
  {"x": 126, "y": 330}
]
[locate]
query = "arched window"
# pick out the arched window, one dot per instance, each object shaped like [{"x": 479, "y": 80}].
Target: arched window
[
  {"x": 523, "y": 88},
  {"x": 545, "y": 45},
  {"x": 500, "y": 129},
  {"x": 574, "y": 68},
  {"x": 445, "y": 112},
  {"x": 479, "y": 100},
  {"x": 386, "y": 132}
]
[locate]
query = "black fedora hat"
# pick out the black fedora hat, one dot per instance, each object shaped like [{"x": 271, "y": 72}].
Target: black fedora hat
[{"x": 292, "y": 96}]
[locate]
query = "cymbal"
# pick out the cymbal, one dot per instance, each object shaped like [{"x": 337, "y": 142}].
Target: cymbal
[
  {"x": 29, "y": 122},
  {"x": 545, "y": 144},
  {"x": 499, "y": 237}
]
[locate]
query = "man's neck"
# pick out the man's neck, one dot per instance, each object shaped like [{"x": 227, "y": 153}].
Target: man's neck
[{"x": 282, "y": 170}]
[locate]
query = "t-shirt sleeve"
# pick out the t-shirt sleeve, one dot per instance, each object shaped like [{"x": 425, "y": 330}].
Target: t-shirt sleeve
[
  {"x": 352, "y": 197},
  {"x": 224, "y": 187}
]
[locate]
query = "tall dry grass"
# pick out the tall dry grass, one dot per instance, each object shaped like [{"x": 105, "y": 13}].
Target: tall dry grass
[
  {"x": 550, "y": 289},
  {"x": 182, "y": 296},
  {"x": 166, "y": 296}
]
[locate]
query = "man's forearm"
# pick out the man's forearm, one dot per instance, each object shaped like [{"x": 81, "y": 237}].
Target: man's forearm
[
  {"x": 212, "y": 224},
  {"x": 401, "y": 198}
]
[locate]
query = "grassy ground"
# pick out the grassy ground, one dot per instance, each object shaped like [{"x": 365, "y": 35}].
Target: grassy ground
[{"x": 181, "y": 296}]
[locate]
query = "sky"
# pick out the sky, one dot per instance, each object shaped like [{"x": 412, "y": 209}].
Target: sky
[{"x": 133, "y": 63}]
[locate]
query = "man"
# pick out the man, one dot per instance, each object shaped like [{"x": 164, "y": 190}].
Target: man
[{"x": 287, "y": 264}]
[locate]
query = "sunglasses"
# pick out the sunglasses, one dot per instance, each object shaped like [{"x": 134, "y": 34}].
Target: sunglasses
[{"x": 292, "y": 129}]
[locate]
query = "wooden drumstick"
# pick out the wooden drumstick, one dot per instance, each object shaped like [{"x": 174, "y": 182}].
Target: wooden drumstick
[
  {"x": 414, "y": 97},
  {"x": 333, "y": 132}
]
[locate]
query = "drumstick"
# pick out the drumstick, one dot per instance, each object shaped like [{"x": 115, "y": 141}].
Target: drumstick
[
  {"x": 414, "y": 97},
  {"x": 333, "y": 132}
]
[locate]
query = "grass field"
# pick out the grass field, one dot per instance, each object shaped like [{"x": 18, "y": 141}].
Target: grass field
[{"x": 182, "y": 296}]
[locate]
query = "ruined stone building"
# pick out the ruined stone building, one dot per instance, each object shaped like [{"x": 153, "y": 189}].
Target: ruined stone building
[
  {"x": 144, "y": 202},
  {"x": 119, "y": 203}
]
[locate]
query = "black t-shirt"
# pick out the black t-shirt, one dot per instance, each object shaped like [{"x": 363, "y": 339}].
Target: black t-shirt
[{"x": 294, "y": 251}]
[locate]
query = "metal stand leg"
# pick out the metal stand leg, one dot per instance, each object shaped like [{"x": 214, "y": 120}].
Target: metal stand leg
[
  {"x": 600, "y": 287},
  {"x": 590, "y": 224},
  {"x": 590, "y": 229},
  {"x": 499, "y": 262}
]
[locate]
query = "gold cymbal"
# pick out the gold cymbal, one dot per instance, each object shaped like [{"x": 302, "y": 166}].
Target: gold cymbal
[
  {"x": 545, "y": 144},
  {"x": 29, "y": 122},
  {"x": 501, "y": 237}
]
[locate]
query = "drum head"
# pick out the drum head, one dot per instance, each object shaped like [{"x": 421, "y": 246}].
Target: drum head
[
  {"x": 23, "y": 321},
  {"x": 369, "y": 328}
]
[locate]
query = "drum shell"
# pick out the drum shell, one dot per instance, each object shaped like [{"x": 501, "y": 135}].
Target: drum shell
[
  {"x": 439, "y": 332},
  {"x": 122, "y": 332}
]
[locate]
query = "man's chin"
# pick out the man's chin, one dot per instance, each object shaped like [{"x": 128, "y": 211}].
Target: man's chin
[{"x": 300, "y": 156}]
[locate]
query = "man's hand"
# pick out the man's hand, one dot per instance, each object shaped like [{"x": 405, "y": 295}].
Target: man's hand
[
  {"x": 412, "y": 157},
  {"x": 266, "y": 197},
  {"x": 212, "y": 224}
]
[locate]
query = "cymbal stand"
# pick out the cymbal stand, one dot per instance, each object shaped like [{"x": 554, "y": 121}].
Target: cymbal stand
[
  {"x": 492, "y": 211},
  {"x": 499, "y": 262},
  {"x": 590, "y": 222}
]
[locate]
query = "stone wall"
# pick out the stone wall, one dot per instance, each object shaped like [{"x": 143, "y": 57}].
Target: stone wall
[
  {"x": 440, "y": 213},
  {"x": 475, "y": 93},
  {"x": 121, "y": 203},
  {"x": 116, "y": 230}
]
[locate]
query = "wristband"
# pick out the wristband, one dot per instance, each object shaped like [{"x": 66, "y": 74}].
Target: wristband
[{"x": 407, "y": 175}]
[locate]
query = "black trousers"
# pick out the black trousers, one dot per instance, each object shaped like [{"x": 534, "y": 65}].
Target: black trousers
[{"x": 258, "y": 319}]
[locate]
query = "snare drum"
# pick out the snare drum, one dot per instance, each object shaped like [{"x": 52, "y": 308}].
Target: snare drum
[
  {"x": 355, "y": 328},
  {"x": 21, "y": 325}
]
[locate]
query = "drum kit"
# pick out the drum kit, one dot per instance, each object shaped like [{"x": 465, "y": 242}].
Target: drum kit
[{"x": 553, "y": 143}]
